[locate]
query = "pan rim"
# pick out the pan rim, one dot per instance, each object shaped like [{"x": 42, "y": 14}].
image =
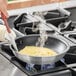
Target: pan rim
[{"x": 59, "y": 37}]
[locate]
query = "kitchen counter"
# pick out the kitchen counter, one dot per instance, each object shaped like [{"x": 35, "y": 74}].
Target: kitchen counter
[
  {"x": 53, "y": 6},
  {"x": 5, "y": 66},
  {"x": 15, "y": 4}
]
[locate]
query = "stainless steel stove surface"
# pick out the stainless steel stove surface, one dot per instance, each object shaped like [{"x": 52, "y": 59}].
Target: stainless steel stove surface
[
  {"x": 59, "y": 68},
  {"x": 17, "y": 72}
]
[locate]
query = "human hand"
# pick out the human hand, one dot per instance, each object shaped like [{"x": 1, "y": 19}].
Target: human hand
[
  {"x": 3, "y": 7},
  {"x": 4, "y": 34}
]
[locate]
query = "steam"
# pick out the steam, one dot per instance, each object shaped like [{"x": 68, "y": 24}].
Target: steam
[{"x": 43, "y": 34}]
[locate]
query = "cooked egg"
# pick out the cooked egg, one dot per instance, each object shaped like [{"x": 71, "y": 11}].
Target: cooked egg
[{"x": 37, "y": 51}]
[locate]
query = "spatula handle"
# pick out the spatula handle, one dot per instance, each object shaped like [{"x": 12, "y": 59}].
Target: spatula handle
[{"x": 6, "y": 23}]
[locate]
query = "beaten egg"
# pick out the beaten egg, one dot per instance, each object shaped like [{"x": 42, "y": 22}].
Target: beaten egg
[{"x": 37, "y": 51}]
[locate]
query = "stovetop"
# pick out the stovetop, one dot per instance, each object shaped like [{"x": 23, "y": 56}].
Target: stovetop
[
  {"x": 69, "y": 58},
  {"x": 63, "y": 23}
]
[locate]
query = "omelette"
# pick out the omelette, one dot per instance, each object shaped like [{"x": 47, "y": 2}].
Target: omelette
[{"x": 37, "y": 51}]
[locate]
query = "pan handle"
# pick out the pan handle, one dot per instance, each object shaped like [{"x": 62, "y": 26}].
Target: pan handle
[
  {"x": 13, "y": 50},
  {"x": 8, "y": 47}
]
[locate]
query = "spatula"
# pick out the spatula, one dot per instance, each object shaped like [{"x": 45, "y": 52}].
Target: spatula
[{"x": 10, "y": 38}]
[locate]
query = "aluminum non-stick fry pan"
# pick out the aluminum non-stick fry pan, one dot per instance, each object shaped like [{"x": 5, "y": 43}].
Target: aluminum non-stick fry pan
[{"x": 54, "y": 42}]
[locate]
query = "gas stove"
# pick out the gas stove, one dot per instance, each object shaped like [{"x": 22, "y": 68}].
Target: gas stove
[
  {"x": 55, "y": 69},
  {"x": 44, "y": 70}
]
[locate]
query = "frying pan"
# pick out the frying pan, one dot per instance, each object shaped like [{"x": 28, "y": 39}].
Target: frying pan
[{"x": 54, "y": 42}]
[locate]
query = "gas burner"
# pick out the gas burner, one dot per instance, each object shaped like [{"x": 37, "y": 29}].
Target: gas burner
[
  {"x": 33, "y": 67},
  {"x": 67, "y": 26},
  {"x": 71, "y": 36},
  {"x": 24, "y": 22}
]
